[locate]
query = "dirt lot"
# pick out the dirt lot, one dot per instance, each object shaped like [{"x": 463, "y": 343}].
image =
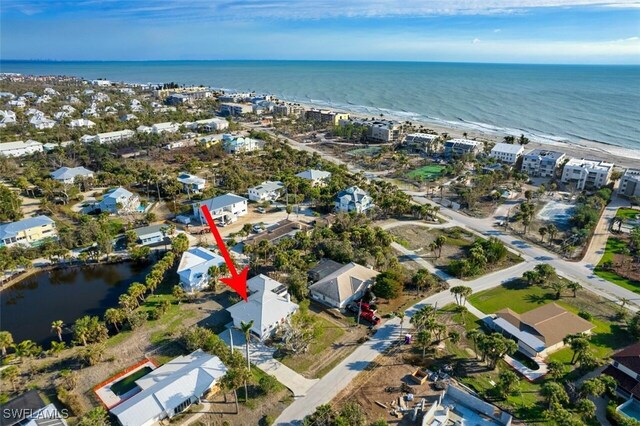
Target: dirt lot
[{"x": 418, "y": 239}]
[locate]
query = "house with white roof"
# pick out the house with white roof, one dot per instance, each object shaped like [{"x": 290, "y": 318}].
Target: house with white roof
[
  {"x": 100, "y": 97},
  {"x": 454, "y": 148},
  {"x": 20, "y": 148},
  {"x": 41, "y": 122},
  {"x": 108, "y": 137},
  {"x": 28, "y": 232},
  {"x": 81, "y": 122},
  {"x": 68, "y": 175},
  {"x": 50, "y": 91},
  {"x": 166, "y": 127},
  {"x": 316, "y": 177},
  {"x": 268, "y": 305},
  {"x": 237, "y": 144},
  {"x": 171, "y": 389},
  {"x": 586, "y": 174},
  {"x": 209, "y": 124},
  {"x": 128, "y": 117},
  {"x": 339, "y": 287},
  {"x": 506, "y": 152},
  {"x": 7, "y": 95},
  {"x": 191, "y": 184},
  {"x": 17, "y": 103},
  {"x": 100, "y": 82},
  {"x": 266, "y": 191},
  {"x": 194, "y": 266},
  {"x": 542, "y": 163},
  {"x": 353, "y": 199},
  {"x": 119, "y": 200},
  {"x": 61, "y": 115},
  {"x": 72, "y": 99},
  {"x": 225, "y": 208},
  {"x": 7, "y": 117}
]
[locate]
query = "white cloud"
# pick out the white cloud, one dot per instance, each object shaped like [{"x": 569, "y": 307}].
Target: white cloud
[
  {"x": 476, "y": 41},
  {"x": 497, "y": 30}
]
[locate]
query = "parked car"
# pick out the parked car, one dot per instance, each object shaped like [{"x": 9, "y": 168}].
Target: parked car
[
  {"x": 261, "y": 210},
  {"x": 258, "y": 228},
  {"x": 370, "y": 316}
]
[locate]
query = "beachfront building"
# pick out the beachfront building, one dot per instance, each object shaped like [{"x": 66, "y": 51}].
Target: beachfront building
[
  {"x": 542, "y": 163},
  {"x": 108, "y": 137},
  {"x": 315, "y": 177},
  {"x": 268, "y": 305},
  {"x": 353, "y": 199},
  {"x": 118, "y": 200},
  {"x": 325, "y": 116},
  {"x": 68, "y": 175},
  {"x": 586, "y": 174},
  {"x": 266, "y": 191},
  {"x": 625, "y": 369},
  {"x": 506, "y": 152},
  {"x": 225, "y": 208},
  {"x": 7, "y": 117},
  {"x": 422, "y": 142},
  {"x": 338, "y": 285},
  {"x": 288, "y": 109},
  {"x": 233, "y": 109},
  {"x": 630, "y": 184},
  {"x": 191, "y": 184},
  {"x": 81, "y": 122},
  {"x": 455, "y": 148},
  {"x": 27, "y": 232},
  {"x": 238, "y": 144},
  {"x": 171, "y": 389},
  {"x": 381, "y": 131},
  {"x": 194, "y": 267},
  {"x": 20, "y": 148},
  {"x": 540, "y": 331}
]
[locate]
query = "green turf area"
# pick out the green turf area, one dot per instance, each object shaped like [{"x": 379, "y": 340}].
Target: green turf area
[
  {"x": 372, "y": 150},
  {"x": 429, "y": 172},
  {"x": 125, "y": 385},
  {"x": 628, "y": 213},
  {"x": 616, "y": 246}
]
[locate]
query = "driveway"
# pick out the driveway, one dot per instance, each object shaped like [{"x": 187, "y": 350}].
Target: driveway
[{"x": 262, "y": 356}]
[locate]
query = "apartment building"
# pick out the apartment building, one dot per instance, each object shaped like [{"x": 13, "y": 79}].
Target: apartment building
[
  {"x": 542, "y": 163},
  {"x": 20, "y": 148},
  {"x": 232, "y": 109},
  {"x": 325, "y": 116},
  {"x": 507, "y": 153},
  {"x": 630, "y": 183},
  {"x": 586, "y": 174},
  {"x": 454, "y": 148},
  {"x": 382, "y": 131},
  {"x": 108, "y": 137}
]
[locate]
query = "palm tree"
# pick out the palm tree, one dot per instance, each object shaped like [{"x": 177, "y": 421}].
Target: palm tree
[
  {"x": 473, "y": 336},
  {"x": 401, "y": 315},
  {"x": 10, "y": 374},
  {"x": 424, "y": 341},
  {"x": 574, "y": 286},
  {"x": 579, "y": 345},
  {"x": 6, "y": 341},
  {"x": 440, "y": 242},
  {"x": 214, "y": 273},
  {"x": 114, "y": 316},
  {"x": 246, "y": 329},
  {"x": 57, "y": 347},
  {"x": 56, "y": 327},
  {"x": 558, "y": 286},
  {"x": 461, "y": 292},
  {"x": 623, "y": 303}
]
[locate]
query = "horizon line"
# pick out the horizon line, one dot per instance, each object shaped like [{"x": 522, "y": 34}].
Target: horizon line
[{"x": 320, "y": 60}]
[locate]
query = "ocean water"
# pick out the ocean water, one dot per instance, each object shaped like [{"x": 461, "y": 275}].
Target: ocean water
[{"x": 546, "y": 102}]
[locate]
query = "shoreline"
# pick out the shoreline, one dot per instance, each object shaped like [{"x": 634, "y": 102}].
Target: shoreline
[{"x": 620, "y": 156}]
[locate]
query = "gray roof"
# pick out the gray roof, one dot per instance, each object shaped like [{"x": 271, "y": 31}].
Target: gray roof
[
  {"x": 9, "y": 230},
  {"x": 64, "y": 173},
  {"x": 147, "y": 230},
  {"x": 325, "y": 267},
  {"x": 221, "y": 201},
  {"x": 551, "y": 155}
]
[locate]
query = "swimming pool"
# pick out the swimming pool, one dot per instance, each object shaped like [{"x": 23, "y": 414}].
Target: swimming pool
[{"x": 631, "y": 408}]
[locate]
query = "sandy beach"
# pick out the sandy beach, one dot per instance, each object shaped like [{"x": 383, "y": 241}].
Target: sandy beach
[{"x": 619, "y": 156}]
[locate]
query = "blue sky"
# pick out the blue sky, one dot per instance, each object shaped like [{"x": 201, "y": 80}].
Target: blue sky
[{"x": 529, "y": 31}]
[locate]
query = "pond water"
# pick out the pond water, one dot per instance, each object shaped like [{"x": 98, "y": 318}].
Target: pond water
[{"x": 28, "y": 308}]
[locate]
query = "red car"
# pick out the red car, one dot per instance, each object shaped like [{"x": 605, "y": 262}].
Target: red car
[{"x": 370, "y": 316}]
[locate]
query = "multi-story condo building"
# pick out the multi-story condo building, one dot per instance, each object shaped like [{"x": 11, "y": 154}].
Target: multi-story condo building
[
  {"x": 542, "y": 163},
  {"x": 235, "y": 109},
  {"x": 20, "y": 148},
  {"x": 507, "y": 153},
  {"x": 587, "y": 174},
  {"x": 288, "y": 109},
  {"x": 109, "y": 137},
  {"x": 376, "y": 130},
  {"x": 454, "y": 148},
  {"x": 325, "y": 116},
  {"x": 630, "y": 183}
]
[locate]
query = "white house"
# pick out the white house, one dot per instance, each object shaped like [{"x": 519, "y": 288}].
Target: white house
[
  {"x": 353, "y": 199},
  {"x": 50, "y": 91},
  {"x": 342, "y": 286},
  {"x": 81, "y": 122},
  {"x": 191, "y": 183},
  {"x": 166, "y": 127},
  {"x": 171, "y": 389},
  {"x": 17, "y": 103},
  {"x": 266, "y": 191},
  {"x": 507, "y": 153},
  {"x": 128, "y": 117},
  {"x": 119, "y": 200},
  {"x": 41, "y": 122},
  {"x": 68, "y": 175},
  {"x": 630, "y": 183},
  {"x": 586, "y": 174},
  {"x": 237, "y": 144},
  {"x": 268, "y": 305},
  {"x": 316, "y": 177},
  {"x": 225, "y": 208},
  {"x": 101, "y": 83},
  {"x": 209, "y": 124},
  {"x": 193, "y": 269},
  {"x": 109, "y": 137},
  {"x": 20, "y": 148},
  {"x": 7, "y": 117}
]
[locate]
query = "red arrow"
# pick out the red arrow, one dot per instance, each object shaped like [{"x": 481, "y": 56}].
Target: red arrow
[{"x": 238, "y": 282}]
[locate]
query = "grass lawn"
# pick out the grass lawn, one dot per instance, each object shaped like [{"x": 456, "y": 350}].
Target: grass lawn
[
  {"x": 429, "y": 172},
  {"x": 627, "y": 213},
  {"x": 516, "y": 295},
  {"x": 125, "y": 385},
  {"x": 320, "y": 346},
  {"x": 616, "y": 246}
]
